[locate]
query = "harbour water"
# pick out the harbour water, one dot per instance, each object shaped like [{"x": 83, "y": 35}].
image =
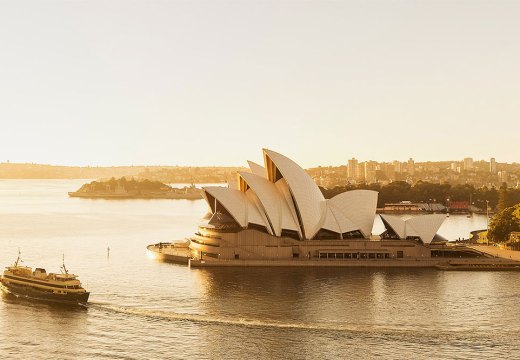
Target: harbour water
[{"x": 144, "y": 309}]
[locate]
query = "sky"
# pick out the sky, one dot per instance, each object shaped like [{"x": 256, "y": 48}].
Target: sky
[{"x": 213, "y": 82}]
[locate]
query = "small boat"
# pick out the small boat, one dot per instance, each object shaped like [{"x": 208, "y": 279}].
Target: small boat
[{"x": 22, "y": 281}]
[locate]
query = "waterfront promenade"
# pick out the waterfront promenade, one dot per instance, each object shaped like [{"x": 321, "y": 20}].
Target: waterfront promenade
[
  {"x": 179, "y": 253},
  {"x": 497, "y": 252}
]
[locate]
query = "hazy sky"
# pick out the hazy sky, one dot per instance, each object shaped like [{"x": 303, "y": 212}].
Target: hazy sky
[{"x": 202, "y": 83}]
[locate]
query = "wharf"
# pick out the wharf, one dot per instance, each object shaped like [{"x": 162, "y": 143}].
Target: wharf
[{"x": 177, "y": 252}]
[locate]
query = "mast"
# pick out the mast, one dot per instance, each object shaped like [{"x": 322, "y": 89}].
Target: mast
[
  {"x": 63, "y": 267},
  {"x": 18, "y": 259}
]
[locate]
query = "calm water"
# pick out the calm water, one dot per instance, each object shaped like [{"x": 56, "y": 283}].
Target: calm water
[{"x": 143, "y": 309}]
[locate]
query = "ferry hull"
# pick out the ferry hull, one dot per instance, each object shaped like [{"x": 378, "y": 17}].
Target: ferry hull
[{"x": 36, "y": 294}]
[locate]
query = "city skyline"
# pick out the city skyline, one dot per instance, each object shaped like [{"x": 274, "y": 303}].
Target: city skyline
[
  {"x": 88, "y": 83},
  {"x": 259, "y": 179},
  {"x": 479, "y": 173},
  {"x": 345, "y": 163}
]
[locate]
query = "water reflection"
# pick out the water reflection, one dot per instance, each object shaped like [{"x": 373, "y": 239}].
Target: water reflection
[
  {"x": 142, "y": 308},
  {"x": 306, "y": 311},
  {"x": 310, "y": 295},
  {"x": 59, "y": 335}
]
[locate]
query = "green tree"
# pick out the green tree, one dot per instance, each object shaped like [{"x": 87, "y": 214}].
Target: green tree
[{"x": 503, "y": 223}]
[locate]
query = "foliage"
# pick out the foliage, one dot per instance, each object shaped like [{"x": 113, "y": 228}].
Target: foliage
[
  {"x": 424, "y": 191},
  {"x": 503, "y": 223},
  {"x": 123, "y": 184}
]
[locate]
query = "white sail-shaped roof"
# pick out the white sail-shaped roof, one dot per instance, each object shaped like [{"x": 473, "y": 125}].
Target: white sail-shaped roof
[
  {"x": 307, "y": 196},
  {"x": 397, "y": 224},
  {"x": 237, "y": 203},
  {"x": 255, "y": 213},
  {"x": 282, "y": 196},
  {"x": 233, "y": 200},
  {"x": 289, "y": 219},
  {"x": 330, "y": 222},
  {"x": 359, "y": 206},
  {"x": 344, "y": 223},
  {"x": 257, "y": 169},
  {"x": 424, "y": 226},
  {"x": 272, "y": 202}
]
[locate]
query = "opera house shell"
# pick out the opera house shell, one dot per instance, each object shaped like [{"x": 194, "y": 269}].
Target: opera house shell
[{"x": 277, "y": 212}]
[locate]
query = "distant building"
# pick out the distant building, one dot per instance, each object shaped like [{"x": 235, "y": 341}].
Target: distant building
[
  {"x": 502, "y": 176},
  {"x": 387, "y": 170},
  {"x": 370, "y": 168},
  {"x": 360, "y": 172},
  {"x": 514, "y": 236},
  {"x": 459, "y": 206},
  {"x": 397, "y": 166},
  {"x": 493, "y": 166},
  {"x": 352, "y": 169},
  {"x": 468, "y": 164},
  {"x": 454, "y": 166},
  {"x": 410, "y": 168}
]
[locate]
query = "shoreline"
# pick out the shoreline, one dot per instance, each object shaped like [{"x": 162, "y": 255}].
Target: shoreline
[{"x": 111, "y": 196}]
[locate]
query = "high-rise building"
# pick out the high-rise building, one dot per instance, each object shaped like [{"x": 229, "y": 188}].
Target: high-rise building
[
  {"x": 360, "y": 171},
  {"x": 352, "y": 169},
  {"x": 468, "y": 163},
  {"x": 397, "y": 166},
  {"x": 389, "y": 171},
  {"x": 493, "y": 166},
  {"x": 410, "y": 167},
  {"x": 370, "y": 171},
  {"x": 503, "y": 176}
]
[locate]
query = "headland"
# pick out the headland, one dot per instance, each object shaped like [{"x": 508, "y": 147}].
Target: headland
[{"x": 133, "y": 189}]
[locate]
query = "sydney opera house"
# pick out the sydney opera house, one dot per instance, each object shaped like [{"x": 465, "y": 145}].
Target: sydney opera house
[{"x": 276, "y": 212}]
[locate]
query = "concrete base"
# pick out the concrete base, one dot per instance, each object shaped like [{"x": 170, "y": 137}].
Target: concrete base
[
  {"x": 180, "y": 253},
  {"x": 364, "y": 263}
]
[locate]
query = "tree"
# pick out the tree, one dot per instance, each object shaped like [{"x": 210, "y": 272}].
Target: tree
[{"x": 503, "y": 223}]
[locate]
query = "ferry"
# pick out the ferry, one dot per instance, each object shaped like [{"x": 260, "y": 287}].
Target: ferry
[{"x": 22, "y": 281}]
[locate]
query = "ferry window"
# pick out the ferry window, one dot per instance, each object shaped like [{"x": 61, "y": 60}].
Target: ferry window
[
  {"x": 371, "y": 256},
  {"x": 400, "y": 254},
  {"x": 331, "y": 255},
  {"x": 363, "y": 255},
  {"x": 237, "y": 256},
  {"x": 323, "y": 255},
  {"x": 340, "y": 255},
  {"x": 348, "y": 256}
]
